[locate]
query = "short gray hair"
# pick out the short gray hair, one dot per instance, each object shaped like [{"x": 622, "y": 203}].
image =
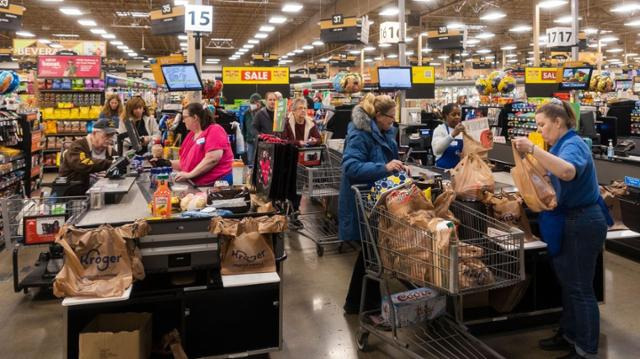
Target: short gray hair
[{"x": 297, "y": 101}]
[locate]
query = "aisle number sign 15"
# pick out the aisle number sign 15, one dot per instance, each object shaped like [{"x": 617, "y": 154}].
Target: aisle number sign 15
[
  {"x": 198, "y": 18},
  {"x": 560, "y": 37}
]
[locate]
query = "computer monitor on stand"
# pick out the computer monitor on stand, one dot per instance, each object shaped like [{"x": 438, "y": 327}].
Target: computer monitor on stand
[{"x": 132, "y": 135}]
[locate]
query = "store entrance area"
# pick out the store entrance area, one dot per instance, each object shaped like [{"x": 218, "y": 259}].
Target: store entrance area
[{"x": 314, "y": 323}]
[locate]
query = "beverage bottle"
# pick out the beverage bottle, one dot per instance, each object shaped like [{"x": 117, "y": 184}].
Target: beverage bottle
[
  {"x": 162, "y": 200},
  {"x": 610, "y": 150}
]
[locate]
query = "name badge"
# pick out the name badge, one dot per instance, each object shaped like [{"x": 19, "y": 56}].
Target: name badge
[
  {"x": 200, "y": 141},
  {"x": 453, "y": 143}
]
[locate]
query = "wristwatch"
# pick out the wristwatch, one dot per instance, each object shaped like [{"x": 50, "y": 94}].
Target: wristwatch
[{"x": 532, "y": 148}]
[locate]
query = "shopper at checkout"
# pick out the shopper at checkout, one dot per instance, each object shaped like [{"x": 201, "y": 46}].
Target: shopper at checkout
[
  {"x": 88, "y": 156},
  {"x": 248, "y": 131},
  {"x": 148, "y": 130},
  {"x": 575, "y": 231},
  {"x": 447, "y": 138},
  {"x": 370, "y": 154},
  {"x": 263, "y": 120},
  {"x": 205, "y": 155},
  {"x": 113, "y": 109}
]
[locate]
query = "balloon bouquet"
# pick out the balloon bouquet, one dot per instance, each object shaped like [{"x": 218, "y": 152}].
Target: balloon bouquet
[
  {"x": 348, "y": 82},
  {"x": 498, "y": 82},
  {"x": 602, "y": 82},
  {"x": 212, "y": 90}
]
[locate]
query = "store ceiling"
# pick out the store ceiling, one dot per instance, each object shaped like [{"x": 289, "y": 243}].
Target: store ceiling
[{"x": 240, "y": 20}]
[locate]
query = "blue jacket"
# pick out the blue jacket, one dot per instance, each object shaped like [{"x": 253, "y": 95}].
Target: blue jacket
[{"x": 366, "y": 151}]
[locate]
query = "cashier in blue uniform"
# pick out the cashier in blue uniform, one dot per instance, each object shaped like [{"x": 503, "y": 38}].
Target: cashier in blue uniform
[{"x": 447, "y": 138}]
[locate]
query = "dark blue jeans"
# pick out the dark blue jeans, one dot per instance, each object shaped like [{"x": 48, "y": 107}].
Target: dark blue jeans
[{"x": 584, "y": 233}]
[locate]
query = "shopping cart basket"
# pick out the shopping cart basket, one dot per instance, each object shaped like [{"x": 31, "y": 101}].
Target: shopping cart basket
[
  {"x": 483, "y": 254},
  {"x": 319, "y": 180}
]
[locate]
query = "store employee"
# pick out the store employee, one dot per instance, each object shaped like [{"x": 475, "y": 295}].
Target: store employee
[
  {"x": 89, "y": 155},
  {"x": 447, "y": 138}
]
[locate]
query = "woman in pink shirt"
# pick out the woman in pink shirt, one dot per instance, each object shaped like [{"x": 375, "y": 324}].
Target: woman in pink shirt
[{"x": 205, "y": 155}]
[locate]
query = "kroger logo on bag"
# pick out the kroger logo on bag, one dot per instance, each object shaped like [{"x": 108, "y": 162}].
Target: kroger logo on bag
[
  {"x": 243, "y": 256},
  {"x": 102, "y": 263}
]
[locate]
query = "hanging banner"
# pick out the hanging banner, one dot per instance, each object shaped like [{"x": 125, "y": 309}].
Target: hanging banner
[
  {"x": 255, "y": 75},
  {"x": 541, "y": 75},
  {"x": 31, "y": 47},
  {"x": 164, "y": 60},
  {"x": 10, "y": 16},
  {"x": 69, "y": 66},
  {"x": 445, "y": 39},
  {"x": 280, "y": 115},
  {"x": 168, "y": 20},
  {"x": 340, "y": 29}
]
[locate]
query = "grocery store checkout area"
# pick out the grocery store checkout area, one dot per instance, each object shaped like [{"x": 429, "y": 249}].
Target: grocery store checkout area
[{"x": 218, "y": 316}]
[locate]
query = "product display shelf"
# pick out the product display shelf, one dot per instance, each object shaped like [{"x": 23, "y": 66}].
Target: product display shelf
[
  {"x": 21, "y": 149},
  {"x": 635, "y": 120},
  {"x": 521, "y": 121}
]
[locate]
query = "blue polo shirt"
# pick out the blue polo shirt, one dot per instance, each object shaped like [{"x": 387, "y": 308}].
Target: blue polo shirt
[{"x": 583, "y": 190}]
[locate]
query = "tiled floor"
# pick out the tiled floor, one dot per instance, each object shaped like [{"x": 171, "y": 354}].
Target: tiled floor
[{"x": 314, "y": 324}]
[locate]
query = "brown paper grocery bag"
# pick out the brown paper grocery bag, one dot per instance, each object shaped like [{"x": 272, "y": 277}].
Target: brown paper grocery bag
[{"x": 610, "y": 196}]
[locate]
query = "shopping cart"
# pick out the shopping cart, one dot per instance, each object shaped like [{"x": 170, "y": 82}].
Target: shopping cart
[
  {"x": 392, "y": 248},
  {"x": 35, "y": 222},
  {"x": 318, "y": 178}
]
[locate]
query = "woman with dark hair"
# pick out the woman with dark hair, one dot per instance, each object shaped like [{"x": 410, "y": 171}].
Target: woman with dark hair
[
  {"x": 205, "y": 155},
  {"x": 575, "y": 231},
  {"x": 447, "y": 137}
]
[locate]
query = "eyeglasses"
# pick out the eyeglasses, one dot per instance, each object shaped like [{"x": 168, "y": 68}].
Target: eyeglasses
[
  {"x": 301, "y": 108},
  {"x": 389, "y": 116}
]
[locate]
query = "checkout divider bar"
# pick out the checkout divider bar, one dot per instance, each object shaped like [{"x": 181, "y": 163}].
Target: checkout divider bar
[{"x": 153, "y": 238}]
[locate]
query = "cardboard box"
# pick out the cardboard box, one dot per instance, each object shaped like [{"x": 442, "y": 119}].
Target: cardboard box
[
  {"x": 414, "y": 306},
  {"x": 117, "y": 336}
]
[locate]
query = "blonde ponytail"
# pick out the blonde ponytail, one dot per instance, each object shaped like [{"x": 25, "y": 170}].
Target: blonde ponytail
[{"x": 367, "y": 104}]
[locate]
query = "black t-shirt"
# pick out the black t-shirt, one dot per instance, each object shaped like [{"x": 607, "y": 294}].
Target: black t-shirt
[{"x": 141, "y": 128}]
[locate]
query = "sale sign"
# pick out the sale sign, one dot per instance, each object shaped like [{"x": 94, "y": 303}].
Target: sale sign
[
  {"x": 69, "y": 66},
  {"x": 255, "y": 75},
  {"x": 542, "y": 75}
]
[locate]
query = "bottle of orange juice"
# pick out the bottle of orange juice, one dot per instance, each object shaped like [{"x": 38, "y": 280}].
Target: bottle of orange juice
[{"x": 162, "y": 200}]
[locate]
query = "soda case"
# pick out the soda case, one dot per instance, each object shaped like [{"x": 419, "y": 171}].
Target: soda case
[{"x": 414, "y": 306}]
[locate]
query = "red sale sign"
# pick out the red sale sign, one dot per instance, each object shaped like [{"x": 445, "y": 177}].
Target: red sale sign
[{"x": 69, "y": 66}]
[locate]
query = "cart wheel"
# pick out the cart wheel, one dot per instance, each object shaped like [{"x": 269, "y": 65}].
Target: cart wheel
[
  {"x": 320, "y": 250},
  {"x": 362, "y": 340}
]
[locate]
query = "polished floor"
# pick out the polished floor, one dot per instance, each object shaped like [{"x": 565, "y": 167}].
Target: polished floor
[{"x": 314, "y": 324}]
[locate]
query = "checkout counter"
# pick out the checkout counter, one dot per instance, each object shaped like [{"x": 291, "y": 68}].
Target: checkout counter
[{"x": 216, "y": 316}]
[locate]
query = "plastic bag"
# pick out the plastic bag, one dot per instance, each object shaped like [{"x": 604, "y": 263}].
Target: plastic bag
[
  {"x": 533, "y": 183},
  {"x": 471, "y": 178}
]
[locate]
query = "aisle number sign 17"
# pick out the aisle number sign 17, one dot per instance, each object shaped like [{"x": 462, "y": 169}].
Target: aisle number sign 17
[
  {"x": 560, "y": 37},
  {"x": 198, "y": 18}
]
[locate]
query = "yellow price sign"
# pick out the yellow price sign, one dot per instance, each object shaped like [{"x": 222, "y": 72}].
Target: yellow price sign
[
  {"x": 423, "y": 74},
  {"x": 542, "y": 75},
  {"x": 255, "y": 75}
]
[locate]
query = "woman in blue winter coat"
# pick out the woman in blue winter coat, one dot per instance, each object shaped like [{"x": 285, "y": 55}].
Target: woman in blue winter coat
[{"x": 370, "y": 153}]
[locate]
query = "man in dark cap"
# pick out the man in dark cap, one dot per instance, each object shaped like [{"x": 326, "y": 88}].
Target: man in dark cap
[
  {"x": 89, "y": 155},
  {"x": 248, "y": 131}
]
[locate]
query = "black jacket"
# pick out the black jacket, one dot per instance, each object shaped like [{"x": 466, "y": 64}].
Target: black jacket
[{"x": 263, "y": 121}]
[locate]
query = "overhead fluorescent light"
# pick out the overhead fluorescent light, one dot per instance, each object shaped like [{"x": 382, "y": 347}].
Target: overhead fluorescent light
[
  {"x": 139, "y": 14},
  {"x": 627, "y": 7},
  {"x": 369, "y": 48},
  {"x": 266, "y": 28},
  {"x": 568, "y": 19},
  {"x": 324, "y": 59},
  {"x": 298, "y": 51},
  {"x": 492, "y": 15},
  {"x": 354, "y": 52},
  {"x": 116, "y": 43},
  {"x": 615, "y": 50},
  {"x": 242, "y": 50},
  {"x": 484, "y": 51},
  {"x": 71, "y": 11},
  {"x": 212, "y": 60},
  {"x": 248, "y": 46},
  {"x": 56, "y": 46},
  {"x": 378, "y": 58},
  {"x": 609, "y": 39},
  {"x": 123, "y": 47},
  {"x": 291, "y": 7},
  {"x": 253, "y": 41},
  {"x": 184, "y": 44},
  {"x": 384, "y": 45},
  {"x": 409, "y": 53},
  {"x": 632, "y": 23},
  {"x": 408, "y": 39},
  {"x": 590, "y": 31},
  {"x": 108, "y": 36},
  {"x": 473, "y": 41},
  {"x": 44, "y": 41},
  {"x": 455, "y": 26},
  {"x": 25, "y": 34},
  {"x": 426, "y": 50},
  {"x": 520, "y": 28},
  {"x": 65, "y": 35},
  {"x": 87, "y": 22},
  {"x": 180, "y": 2},
  {"x": 628, "y": 54},
  {"x": 368, "y": 60},
  {"x": 291, "y": 53},
  {"x": 133, "y": 54},
  {"x": 435, "y": 64},
  {"x": 277, "y": 20},
  {"x": 261, "y": 35},
  {"x": 390, "y": 11},
  {"x": 490, "y": 57},
  {"x": 508, "y": 47},
  {"x": 307, "y": 47},
  {"x": 317, "y": 43},
  {"x": 550, "y": 4},
  {"x": 511, "y": 55},
  {"x": 512, "y": 61},
  {"x": 98, "y": 31},
  {"x": 183, "y": 37},
  {"x": 464, "y": 54},
  {"x": 485, "y": 35},
  {"x": 52, "y": 0},
  {"x": 392, "y": 56},
  {"x": 443, "y": 57}
]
